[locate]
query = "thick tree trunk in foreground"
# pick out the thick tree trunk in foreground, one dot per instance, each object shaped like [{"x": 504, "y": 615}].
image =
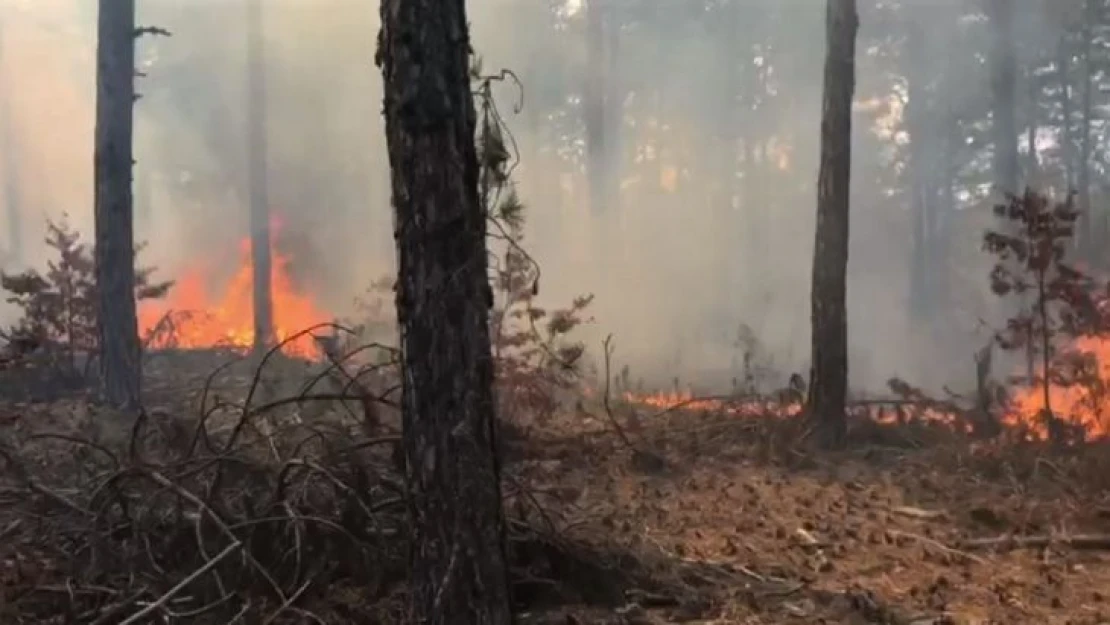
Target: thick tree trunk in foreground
[
  {"x": 262, "y": 295},
  {"x": 828, "y": 387},
  {"x": 459, "y": 570},
  {"x": 120, "y": 364}
]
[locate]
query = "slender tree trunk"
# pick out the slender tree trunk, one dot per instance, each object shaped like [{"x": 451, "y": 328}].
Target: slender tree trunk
[
  {"x": 1090, "y": 226},
  {"x": 922, "y": 191},
  {"x": 120, "y": 351},
  {"x": 262, "y": 295},
  {"x": 594, "y": 107},
  {"x": 11, "y": 172},
  {"x": 459, "y": 569},
  {"x": 1067, "y": 148},
  {"x": 1032, "y": 162},
  {"x": 828, "y": 388},
  {"x": 1003, "y": 91}
]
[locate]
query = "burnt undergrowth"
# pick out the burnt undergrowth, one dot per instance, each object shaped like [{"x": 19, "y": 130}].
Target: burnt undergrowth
[{"x": 258, "y": 505}]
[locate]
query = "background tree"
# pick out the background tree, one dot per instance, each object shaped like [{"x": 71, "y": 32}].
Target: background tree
[
  {"x": 1004, "y": 94},
  {"x": 10, "y": 182},
  {"x": 120, "y": 351},
  {"x": 829, "y": 378},
  {"x": 257, "y": 183},
  {"x": 459, "y": 569}
]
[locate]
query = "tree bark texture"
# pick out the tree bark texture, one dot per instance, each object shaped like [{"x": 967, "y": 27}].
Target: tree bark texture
[
  {"x": 828, "y": 388},
  {"x": 258, "y": 183},
  {"x": 120, "y": 351},
  {"x": 459, "y": 569}
]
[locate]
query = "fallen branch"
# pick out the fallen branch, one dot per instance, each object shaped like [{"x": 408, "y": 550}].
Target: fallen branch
[
  {"x": 1078, "y": 541},
  {"x": 939, "y": 546},
  {"x": 161, "y": 601}
]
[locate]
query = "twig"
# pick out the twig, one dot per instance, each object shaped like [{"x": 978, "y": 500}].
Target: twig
[
  {"x": 161, "y": 601},
  {"x": 288, "y": 602},
  {"x": 206, "y": 509},
  {"x": 1078, "y": 541},
  {"x": 607, "y": 347},
  {"x": 938, "y": 545}
]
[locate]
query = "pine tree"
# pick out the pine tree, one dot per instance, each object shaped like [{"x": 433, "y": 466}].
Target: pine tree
[
  {"x": 459, "y": 569},
  {"x": 120, "y": 350}
]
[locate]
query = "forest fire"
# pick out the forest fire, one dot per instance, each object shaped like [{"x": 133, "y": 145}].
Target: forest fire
[
  {"x": 1081, "y": 404},
  {"x": 191, "y": 318}
]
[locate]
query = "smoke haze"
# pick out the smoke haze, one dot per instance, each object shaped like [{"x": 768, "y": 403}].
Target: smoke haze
[{"x": 714, "y": 223}]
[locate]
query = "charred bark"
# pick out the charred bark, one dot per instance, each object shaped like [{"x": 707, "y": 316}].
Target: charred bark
[
  {"x": 258, "y": 183},
  {"x": 120, "y": 363},
  {"x": 459, "y": 569},
  {"x": 828, "y": 387}
]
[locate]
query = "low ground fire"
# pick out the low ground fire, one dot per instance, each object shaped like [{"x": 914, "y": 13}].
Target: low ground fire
[{"x": 195, "y": 315}]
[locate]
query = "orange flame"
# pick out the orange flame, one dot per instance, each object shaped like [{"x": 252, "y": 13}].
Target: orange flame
[
  {"x": 1076, "y": 405},
  {"x": 199, "y": 321}
]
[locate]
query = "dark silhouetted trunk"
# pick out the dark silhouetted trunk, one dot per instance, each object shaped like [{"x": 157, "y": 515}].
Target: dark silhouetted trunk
[
  {"x": 120, "y": 351},
  {"x": 262, "y": 296},
  {"x": 459, "y": 569},
  {"x": 828, "y": 389},
  {"x": 1003, "y": 69}
]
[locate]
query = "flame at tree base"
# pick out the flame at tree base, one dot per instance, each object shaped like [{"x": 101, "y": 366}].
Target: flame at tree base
[
  {"x": 189, "y": 318},
  {"x": 1084, "y": 405}
]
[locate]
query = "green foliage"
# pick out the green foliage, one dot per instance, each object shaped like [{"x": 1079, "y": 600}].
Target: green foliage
[
  {"x": 59, "y": 306},
  {"x": 535, "y": 356},
  {"x": 1056, "y": 299}
]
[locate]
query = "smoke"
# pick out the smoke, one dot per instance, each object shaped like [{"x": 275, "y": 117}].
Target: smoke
[{"x": 712, "y": 230}]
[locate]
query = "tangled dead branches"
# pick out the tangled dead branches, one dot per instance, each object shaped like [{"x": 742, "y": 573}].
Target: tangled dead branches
[{"x": 246, "y": 509}]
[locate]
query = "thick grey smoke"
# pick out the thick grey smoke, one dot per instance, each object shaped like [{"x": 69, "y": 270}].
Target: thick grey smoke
[{"x": 694, "y": 250}]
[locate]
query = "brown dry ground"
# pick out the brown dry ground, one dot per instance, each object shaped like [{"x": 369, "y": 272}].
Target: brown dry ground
[
  {"x": 726, "y": 519},
  {"x": 874, "y": 534}
]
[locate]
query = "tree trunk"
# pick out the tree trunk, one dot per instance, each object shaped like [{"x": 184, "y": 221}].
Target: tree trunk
[
  {"x": 1067, "y": 147},
  {"x": 922, "y": 158},
  {"x": 459, "y": 569},
  {"x": 828, "y": 388},
  {"x": 1032, "y": 161},
  {"x": 594, "y": 107},
  {"x": 120, "y": 352},
  {"x": 14, "y": 253},
  {"x": 262, "y": 294},
  {"x": 1003, "y": 91},
  {"x": 1089, "y": 226}
]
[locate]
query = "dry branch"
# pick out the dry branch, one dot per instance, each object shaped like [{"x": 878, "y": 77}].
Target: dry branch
[{"x": 1077, "y": 541}]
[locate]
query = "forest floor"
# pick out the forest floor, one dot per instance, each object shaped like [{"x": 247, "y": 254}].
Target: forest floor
[
  {"x": 695, "y": 517},
  {"x": 908, "y": 527}
]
